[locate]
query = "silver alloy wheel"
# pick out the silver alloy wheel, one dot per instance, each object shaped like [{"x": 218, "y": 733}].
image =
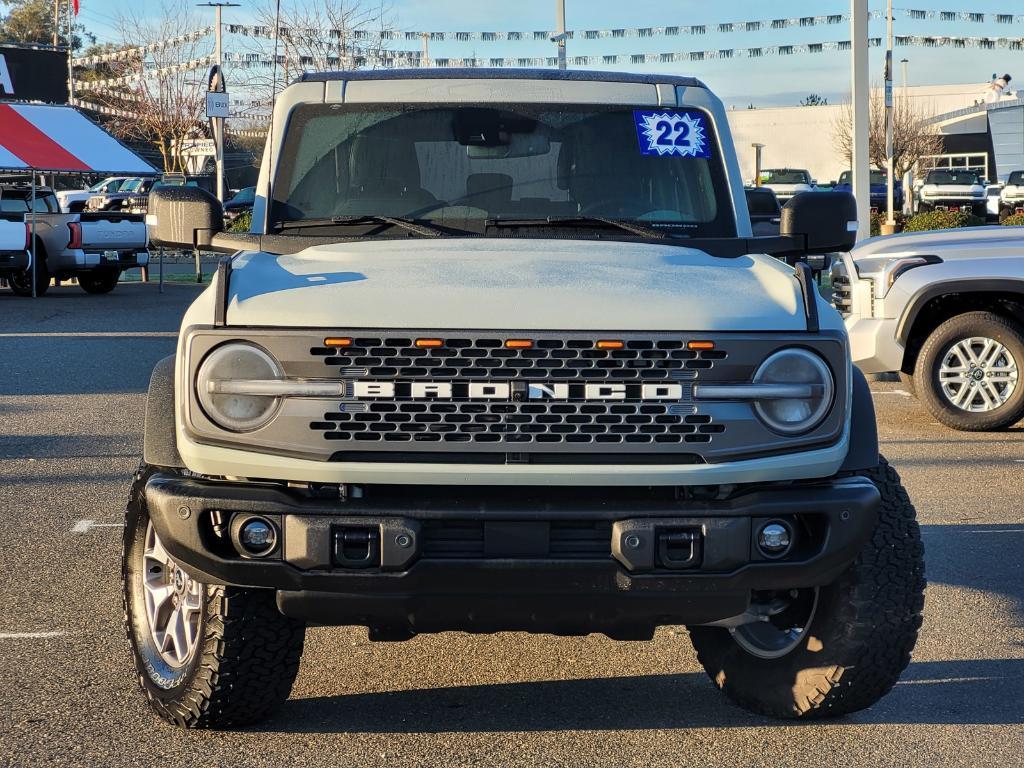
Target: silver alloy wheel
[
  {"x": 173, "y": 603},
  {"x": 775, "y": 636},
  {"x": 978, "y": 374}
]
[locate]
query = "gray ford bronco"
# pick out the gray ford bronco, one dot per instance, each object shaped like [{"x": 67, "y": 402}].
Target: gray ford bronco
[{"x": 501, "y": 353}]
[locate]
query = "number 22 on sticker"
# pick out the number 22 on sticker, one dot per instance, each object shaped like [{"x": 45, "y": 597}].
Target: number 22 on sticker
[
  {"x": 666, "y": 129},
  {"x": 682, "y": 133}
]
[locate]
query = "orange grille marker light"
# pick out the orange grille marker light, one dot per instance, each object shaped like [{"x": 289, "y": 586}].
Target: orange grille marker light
[
  {"x": 333, "y": 342},
  {"x": 518, "y": 343},
  {"x": 429, "y": 343},
  {"x": 610, "y": 344},
  {"x": 700, "y": 345}
]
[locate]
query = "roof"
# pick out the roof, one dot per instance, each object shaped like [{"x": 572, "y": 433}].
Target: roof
[
  {"x": 59, "y": 139},
  {"x": 503, "y": 73}
]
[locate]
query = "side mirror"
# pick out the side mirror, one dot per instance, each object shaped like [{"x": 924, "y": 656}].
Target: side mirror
[
  {"x": 826, "y": 223},
  {"x": 183, "y": 217}
]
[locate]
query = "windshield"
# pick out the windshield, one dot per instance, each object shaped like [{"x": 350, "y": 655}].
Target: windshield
[
  {"x": 785, "y": 176},
  {"x": 476, "y": 164},
  {"x": 877, "y": 177},
  {"x": 954, "y": 178},
  {"x": 45, "y": 202},
  {"x": 1016, "y": 178},
  {"x": 107, "y": 185},
  {"x": 131, "y": 186}
]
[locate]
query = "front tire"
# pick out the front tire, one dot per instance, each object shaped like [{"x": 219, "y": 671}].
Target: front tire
[
  {"x": 968, "y": 372},
  {"x": 206, "y": 656},
  {"x": 859, "y": 631},
  {"x": 99, "y": 281}
]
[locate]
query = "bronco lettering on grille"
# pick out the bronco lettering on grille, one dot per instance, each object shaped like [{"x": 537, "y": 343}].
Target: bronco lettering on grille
[{"x": 453, "y": 390}]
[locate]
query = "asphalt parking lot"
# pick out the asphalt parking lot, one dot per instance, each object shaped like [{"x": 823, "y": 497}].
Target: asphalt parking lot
[{"x": 73, "y": 374}]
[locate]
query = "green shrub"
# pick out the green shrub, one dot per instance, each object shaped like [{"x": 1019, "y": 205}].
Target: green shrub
[
  {"x": 929, "y": 220},
  {"x": 242, "y": 223},
  {"x": 1014, "y": 220}
]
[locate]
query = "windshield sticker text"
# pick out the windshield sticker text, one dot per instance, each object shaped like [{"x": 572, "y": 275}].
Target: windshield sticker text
[{"x": 667, "y": 133}]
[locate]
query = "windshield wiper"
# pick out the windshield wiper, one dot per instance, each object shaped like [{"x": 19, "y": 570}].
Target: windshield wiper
[
  {"x": 633, "y": 227},
  {"x": 345, "y": 221}
]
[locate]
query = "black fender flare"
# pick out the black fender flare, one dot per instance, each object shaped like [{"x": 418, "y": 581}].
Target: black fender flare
[
  {"x": 935, "y": 290},
  {"x": 160, "y": 447},
  {"x": 863, "y": 451}
]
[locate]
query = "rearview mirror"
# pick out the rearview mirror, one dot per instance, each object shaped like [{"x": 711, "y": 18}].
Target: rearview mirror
[
  {"x": 183, "y": 217},
  {"x": 826, "y": 221}
]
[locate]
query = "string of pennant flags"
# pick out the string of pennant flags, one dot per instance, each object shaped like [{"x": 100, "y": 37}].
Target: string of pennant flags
[
  {"x": 386, "y": 35},
  {"x": 185, "y": 66},
  {"x": 399, "y": 59},
  {"x": 134, "y": 53}
]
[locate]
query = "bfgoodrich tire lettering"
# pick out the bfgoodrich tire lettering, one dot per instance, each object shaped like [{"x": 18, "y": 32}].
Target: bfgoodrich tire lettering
[
  {"x": 934, "y": 353},
  {"x": 860, "y": 637},
  {"x": 247, "y": 653}
]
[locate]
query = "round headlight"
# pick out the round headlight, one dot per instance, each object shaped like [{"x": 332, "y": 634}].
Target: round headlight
[
  {"x": 231, "y": 363},
  {"x": 795, "y": 415}
]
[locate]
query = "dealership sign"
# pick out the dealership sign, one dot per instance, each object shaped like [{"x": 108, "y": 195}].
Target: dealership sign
[{"x": 33, "y": 74}]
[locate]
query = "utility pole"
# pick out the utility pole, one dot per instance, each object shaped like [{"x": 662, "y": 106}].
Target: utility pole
[
  {"x": 890, "y": 193},
  {"x": 426, "y": 50},
  {"x": 861, "y": 115},
  {"x": 218, "y": 55},
  {"x": 56, "y": 21},
  {"x": 903, "y": 66},
  {"x": 71, "y": 54},
  {"x": 560, "y": 37}
]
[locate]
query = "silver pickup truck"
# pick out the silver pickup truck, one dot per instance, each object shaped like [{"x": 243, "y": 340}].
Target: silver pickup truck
[
  {"x": 95, "y": 248},
  {"x": 945, "y": 310}
]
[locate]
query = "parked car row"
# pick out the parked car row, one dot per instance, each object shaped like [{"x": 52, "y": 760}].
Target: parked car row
[{"x": 93, "y": 246}]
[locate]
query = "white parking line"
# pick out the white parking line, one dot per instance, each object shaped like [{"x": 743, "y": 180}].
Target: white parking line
[
  {"x": 84, "y": 526},
  {"x": 899, "y": 392},
  {"x": 29, "y": 635},
  {"x": 90, "y": 334}
]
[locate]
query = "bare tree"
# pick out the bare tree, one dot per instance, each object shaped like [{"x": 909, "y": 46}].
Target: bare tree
[
  {"x": 316, "y": 36},
  {"x": 158, "y": 97},
  {"x": 913, "y": 137}
]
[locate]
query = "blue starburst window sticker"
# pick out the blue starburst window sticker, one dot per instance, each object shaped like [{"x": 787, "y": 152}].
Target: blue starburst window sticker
[{"x": 671, "y": 132}]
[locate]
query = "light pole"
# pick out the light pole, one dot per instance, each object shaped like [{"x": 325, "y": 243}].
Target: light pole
[
  {"x": 861, "y": 112},
  {"x": 218, "y": 55},
  {"x": 560, "y": 37},
  {"x": 890, "y": 193}
]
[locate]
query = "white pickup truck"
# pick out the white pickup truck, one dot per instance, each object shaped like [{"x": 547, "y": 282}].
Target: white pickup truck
[
  {"x": 75, "y": 200},
  {"x": 95, "y": 248},
  {"x": 14, "y": 244},
  {"x": 946, "y": 310}
]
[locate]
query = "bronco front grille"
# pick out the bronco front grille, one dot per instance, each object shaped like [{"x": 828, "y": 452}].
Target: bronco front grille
[{"x": 519, "y": 423}]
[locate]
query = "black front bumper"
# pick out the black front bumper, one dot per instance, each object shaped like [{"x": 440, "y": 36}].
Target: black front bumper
[{"x": 512, "y": 560}]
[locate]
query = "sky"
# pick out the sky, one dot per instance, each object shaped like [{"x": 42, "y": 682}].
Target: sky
[{"x": 770, "y": 81}]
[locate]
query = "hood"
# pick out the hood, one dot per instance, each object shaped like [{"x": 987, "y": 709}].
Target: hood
[
  {"x": 872, "y": 255},
  {"x": 513, "y": 284},
  {"x": 953, "y": 189},
  {"x": 801, "y": 187}
]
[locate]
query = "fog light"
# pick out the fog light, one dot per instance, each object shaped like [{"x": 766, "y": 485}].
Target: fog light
[
  {"x": 774, "y": 539},
  {"x": 257, "y": 537}
]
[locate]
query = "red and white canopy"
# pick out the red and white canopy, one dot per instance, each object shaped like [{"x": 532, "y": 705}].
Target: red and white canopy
[{"x": 58, "y": 139}]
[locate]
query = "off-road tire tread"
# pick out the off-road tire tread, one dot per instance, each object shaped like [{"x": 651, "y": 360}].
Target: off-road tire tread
[
  {"x": 248, "y": 660},
  {"x": 882, "y": 596},
  {"x": 954, "y": 418}
]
